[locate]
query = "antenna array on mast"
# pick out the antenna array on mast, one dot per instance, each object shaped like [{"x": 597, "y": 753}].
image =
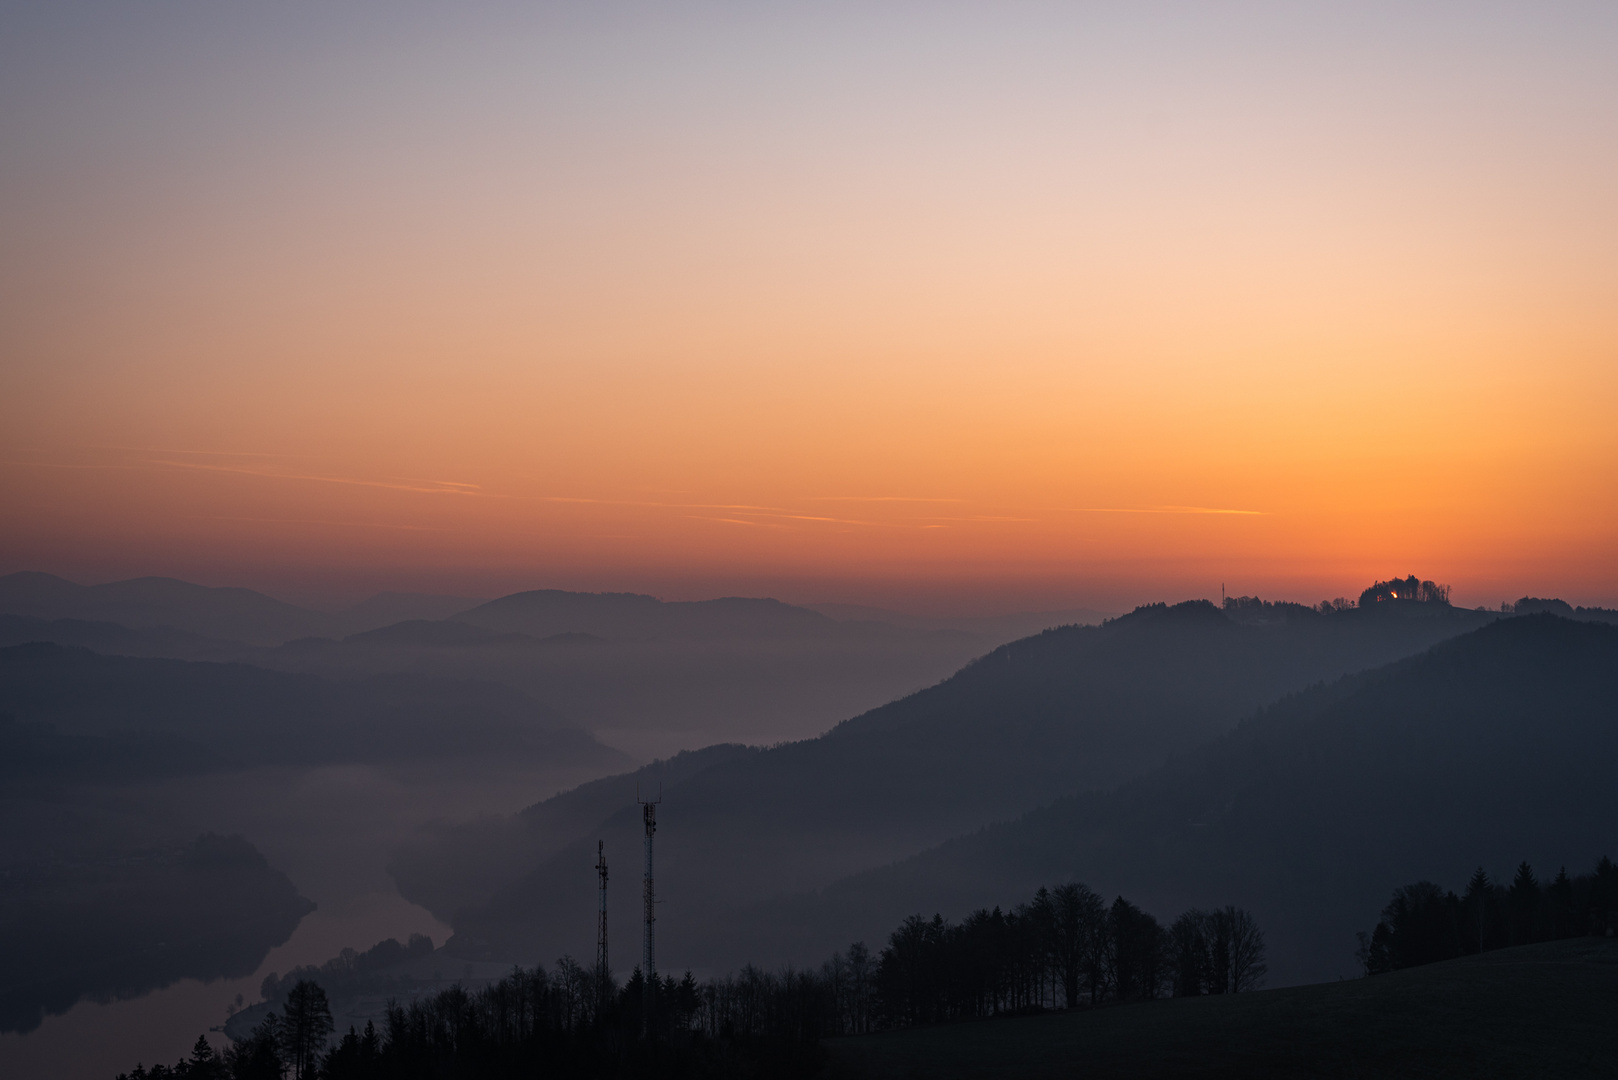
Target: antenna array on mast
[
  {"x": 603, "y": 969},
  {"x": 648, "y": 811}
]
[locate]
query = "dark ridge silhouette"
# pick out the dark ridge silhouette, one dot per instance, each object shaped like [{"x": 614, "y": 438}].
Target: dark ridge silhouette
[
  {"x": 1497, "y": 742},
  {"x": 436, "y": 633},
  {"x": 36, "y": 757},
  {"x": 233, "y": 614},
  {"x": 678, "y": 675},
  {"x": 111, "y": 638},
  {"x": 136, "y": 920},
  {"x": 1534, "y": 605},
  {"x": 1073, "y": 709},
  {"x": 387, "y": 608},
  {"x": 252, "y": 716}
]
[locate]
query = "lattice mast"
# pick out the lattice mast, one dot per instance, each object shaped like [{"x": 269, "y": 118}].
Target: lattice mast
[
  {"x": 648, "y": 964},
  {"x": 603, "y": 968}
]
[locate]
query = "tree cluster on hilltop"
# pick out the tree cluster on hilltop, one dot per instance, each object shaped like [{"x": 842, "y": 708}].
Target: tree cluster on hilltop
[
  {"x": 1410, "y": 589},
  {"x": 1424, "y": 923}
]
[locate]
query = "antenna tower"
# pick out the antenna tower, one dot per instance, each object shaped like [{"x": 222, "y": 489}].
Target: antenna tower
[
  {"x": 603, "y": 969},
  {"x": 648, "y": 966}
]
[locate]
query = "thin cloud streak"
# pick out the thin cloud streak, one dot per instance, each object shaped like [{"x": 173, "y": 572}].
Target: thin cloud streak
[
  {"x": 737, "y": 521},
  {"x": 315, "y": 521},
  {"x": 879, "y": 498},
  {"x": 426, "y": 487},
  {"x": 1160, "y": 510}
]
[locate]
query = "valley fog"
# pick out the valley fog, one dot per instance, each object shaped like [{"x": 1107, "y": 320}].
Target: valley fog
[{"x": 335, "y": 756}]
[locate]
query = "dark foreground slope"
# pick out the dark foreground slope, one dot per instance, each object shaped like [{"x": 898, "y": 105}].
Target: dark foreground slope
[
  {"x": 1538, "y": 1010},
  {"x": 1499, "y": 745},
  {"x": 1080, "y": 708}
]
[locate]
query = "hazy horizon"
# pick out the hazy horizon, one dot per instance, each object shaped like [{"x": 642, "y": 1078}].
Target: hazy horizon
[{"x": 956, "y": 600}]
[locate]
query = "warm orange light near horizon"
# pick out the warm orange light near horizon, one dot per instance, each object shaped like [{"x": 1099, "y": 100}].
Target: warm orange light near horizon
[{"x": 954, "y": 313}]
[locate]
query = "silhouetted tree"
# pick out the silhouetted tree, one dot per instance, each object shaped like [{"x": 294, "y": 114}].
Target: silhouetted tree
[
  {"x": 1474, "y": 912},
  {"x": 1423, "y": 924},
  {"x": 1375, "y": 952},
  {"x": 1079, "y": 916},
  {"x": 1248, "y": 963},
  {"x": 356, "y": 1057},
  {"x": 1523, "y": 898},
  {"x": 1188, "y": 942},
  {"x": 1603, "y": 898},
  {"x": 1559, "y": 906},
  {"x": 306, "y": 1027},
  {"x": 1216, "y": 952},
  {"x": 1137, "y": 956},
  {"x": 258, "y": 1057}
]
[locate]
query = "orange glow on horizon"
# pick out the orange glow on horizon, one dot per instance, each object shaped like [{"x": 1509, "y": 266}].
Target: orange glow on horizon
[{"x": 970, "y": 324}]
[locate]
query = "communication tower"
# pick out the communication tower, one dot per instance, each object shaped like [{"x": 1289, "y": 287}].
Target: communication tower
[
  {"x": 648, "y": 813},
  {"x": 603, "y": 969}
]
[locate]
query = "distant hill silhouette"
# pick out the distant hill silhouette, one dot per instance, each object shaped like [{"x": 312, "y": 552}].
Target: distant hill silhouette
[
  {"x": 1080, "y": 708},
  {"x": 131, "y": 921},
  {"x": 387, "y": 608},
  {"x": 436, "y": 632},
  {"x": 1498, "y": 743},
  {"x": 1534, "y": 605},
  {"x": 112, "y": 638},
  {"x": 655, "y": 678},
  {"x": 252, "y": 716},
  {"x": 234, "y": 614},
  {"x": 676, "y": 675}
]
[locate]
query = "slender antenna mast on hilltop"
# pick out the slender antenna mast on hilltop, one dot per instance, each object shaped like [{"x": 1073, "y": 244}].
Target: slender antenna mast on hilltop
[
  {"x": 603, "y": 970},
  {"x": 648, "y": 966}
]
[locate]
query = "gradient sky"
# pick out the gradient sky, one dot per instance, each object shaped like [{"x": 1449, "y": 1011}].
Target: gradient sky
[{"x": 955, "y": 306}]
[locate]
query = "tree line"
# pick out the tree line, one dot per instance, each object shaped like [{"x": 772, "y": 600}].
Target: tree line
[
  {"x": 1064, "y": 948},
  {"x": 1424, "y": 923}
]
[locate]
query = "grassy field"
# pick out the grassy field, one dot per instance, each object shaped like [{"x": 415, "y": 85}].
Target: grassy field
[{"x": 1546, "y": 1010}]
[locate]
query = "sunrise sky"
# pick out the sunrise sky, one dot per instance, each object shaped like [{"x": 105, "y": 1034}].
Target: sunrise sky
[{"x": 942, "y": 306}]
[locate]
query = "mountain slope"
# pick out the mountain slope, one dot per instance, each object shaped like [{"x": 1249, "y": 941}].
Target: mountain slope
[
  {"x": 1069, "y": 710},
  {"x": 1497, "y": 746}
]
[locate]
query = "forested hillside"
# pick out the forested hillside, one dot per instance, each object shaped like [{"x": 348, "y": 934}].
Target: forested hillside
[
  {"x": 1074, "y": 709},
  {"x": 1496, "y": 745}
]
